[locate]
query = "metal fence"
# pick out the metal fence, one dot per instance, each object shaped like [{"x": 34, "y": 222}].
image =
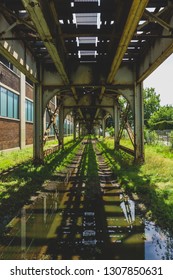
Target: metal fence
[{"x": 165, "y": 137}]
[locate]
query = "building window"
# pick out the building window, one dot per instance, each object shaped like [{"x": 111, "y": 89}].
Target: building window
[
  {"x": 29, "y": 110},
  {"x": 9, "y": 104}
]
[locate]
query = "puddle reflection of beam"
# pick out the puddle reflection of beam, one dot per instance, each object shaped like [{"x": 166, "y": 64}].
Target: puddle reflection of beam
[
  {"x": 23, "y": 229},
  {"x": 44, "y": 209}
]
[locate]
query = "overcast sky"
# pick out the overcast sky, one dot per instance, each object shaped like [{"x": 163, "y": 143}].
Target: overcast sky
[{"x": 162, "y": 80}]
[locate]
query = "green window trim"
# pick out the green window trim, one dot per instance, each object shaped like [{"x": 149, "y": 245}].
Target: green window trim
[
  {"x": 9, "y": 104},
  {"x": 28, "y": 110}
]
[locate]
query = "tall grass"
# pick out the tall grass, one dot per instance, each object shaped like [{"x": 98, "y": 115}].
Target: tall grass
[
  {"x": 153, "y": 180},
  {"x": 16, "y": 157},
  {"x": 18, "y": 185}
]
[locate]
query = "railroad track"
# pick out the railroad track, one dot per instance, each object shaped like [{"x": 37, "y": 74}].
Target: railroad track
[{"x": 80, "y": 218}]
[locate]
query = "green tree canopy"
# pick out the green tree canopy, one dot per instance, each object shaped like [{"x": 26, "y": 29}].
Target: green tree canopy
[
  {"x": 151, "y": 103},
  {"x": 162, "y": 119}
]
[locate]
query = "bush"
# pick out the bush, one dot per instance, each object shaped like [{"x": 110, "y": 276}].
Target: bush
[
  {"x": 171, "y": 139},
  {"x": 110, "y": 130},
  {"x": 150, "y": 137}
]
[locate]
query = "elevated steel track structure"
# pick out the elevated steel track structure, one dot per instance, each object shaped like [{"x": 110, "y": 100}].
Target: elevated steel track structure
[{"x": 88, "y": 53}]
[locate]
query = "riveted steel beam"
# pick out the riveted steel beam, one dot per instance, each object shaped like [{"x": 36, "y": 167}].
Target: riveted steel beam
[
  {"x": 18, "y": 59},
  {"x": 102, "y": 93},
  {"x": 18, "y": 20},
  {"x": 76, "y": 99},
  {"x": 34, "y": 10},
  {"x": 155, "y": 55},
  {"x": 134, "y": 16},
  {"x": 56, "y": 19},
  {"x": 153, "y": 18}
]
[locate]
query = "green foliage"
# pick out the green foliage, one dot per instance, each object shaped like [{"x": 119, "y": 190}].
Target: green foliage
[
  {"x": 17, "y": 186},
  {"x": 162, "y": 125},
  {"x": 152, "y": 181},
  {"x": 109, "y": 122},
  {"x": 110, "y": 130},
  {"x": 162, "y": 119},
  {"x": 122, "y": 102},
  {"x": 171, "y": 139},
  {"x": 150, "y": 137},
  {"x": 123, "y": 105},
  {"x": 151, "y": 103},
  {"x": 14, "y": 158}
]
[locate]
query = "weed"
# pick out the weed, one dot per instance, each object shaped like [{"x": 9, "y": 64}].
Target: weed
[{"x": 153, "y": 180}]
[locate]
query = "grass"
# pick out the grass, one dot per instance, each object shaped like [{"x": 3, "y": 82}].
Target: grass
[
  {"x": 51, "y": 143},
  {"x": 14, "y": 158},
  {"x": 89, "y": 166},
  {"x": 153, "y": 180},
  {"x": 127, "y": 143},
  {"x": 11, "y": 159},
  {"x": 18, "y": 185}
]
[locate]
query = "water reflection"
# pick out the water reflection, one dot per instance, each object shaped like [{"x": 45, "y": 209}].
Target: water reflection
[
  {"x": 44, "y": 209},
  {"x": 50, "y": 229},
  {"x": 23, "y": 229},
  {"x": 158, "y": 244},
  {"x": 83, "y": 220},
  {"x": 128, "y": 207},
  {"x": 27, "y": 233}
]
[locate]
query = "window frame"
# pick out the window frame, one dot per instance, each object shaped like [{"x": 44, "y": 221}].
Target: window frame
[
  {"x": 14, "y": 112},
  {"x": 29, "y": 111}
]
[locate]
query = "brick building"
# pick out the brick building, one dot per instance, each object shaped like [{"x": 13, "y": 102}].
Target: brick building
[{"x": 16, "y": 109}]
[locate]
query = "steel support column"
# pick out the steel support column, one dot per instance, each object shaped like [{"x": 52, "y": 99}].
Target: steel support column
[
  {"x": 79, "y": 131},
  {"x": 116, "y": 125},
  {"x": 22, "y": 111},
  {"x": 99, "y": 132},
  {"x": 103, "y": 127},
  {"x": 82, "y": 130},
  {"x": 139, "y": 123},
  {"x": 38, "y": 124},
  {"x": 74, "y": 130},
  {"x": 61, "y": 125}
]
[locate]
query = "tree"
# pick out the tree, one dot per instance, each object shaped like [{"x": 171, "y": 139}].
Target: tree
[
  {"x": 151, "y": 103},
  {"x": 162, "y": 119},
  {"x": 109, "y": 122},
  {"x": 110, "y": 130}
]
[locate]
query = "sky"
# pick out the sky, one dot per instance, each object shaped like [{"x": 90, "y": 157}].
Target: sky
[{"x": 162, "y": 80}]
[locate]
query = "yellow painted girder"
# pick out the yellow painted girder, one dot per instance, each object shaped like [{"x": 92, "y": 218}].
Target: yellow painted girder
[
  {"x": 134, "y": 17},
  {"x": 42, "y": 28}
]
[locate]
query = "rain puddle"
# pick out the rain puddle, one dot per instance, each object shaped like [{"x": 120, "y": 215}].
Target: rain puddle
[
  {"x": 81, "y": 219},
  {"x": 158, "y": 244},
  {"x": 59, "y": 225}
]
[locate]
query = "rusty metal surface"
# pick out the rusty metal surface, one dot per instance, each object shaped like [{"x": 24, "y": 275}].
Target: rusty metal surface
[{"x": 89, "y": 52}]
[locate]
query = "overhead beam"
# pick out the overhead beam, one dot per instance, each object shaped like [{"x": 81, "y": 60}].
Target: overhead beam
[
  {"x": 11, "y": 56},
  {"x": 42, "y": 28},
  {"x": 74, "y": 93},
  {"x": 97, "y": 113},
  {"x": 102, "y": 93},
  {"x": 76, "y": 99},
  {"x": 85, "y": 34},
  {"x": 148, "y": 66},
  {"x": 153, "y": 18},
  {"x": 88, "y": 106},
  {"x": 134, "y": 16},
  {"x": 141, "y": 26},
  {"x": 18, "y": 20},
  {"x": 56, "y": 19},
  {"x": 17, "y": 53},
  {"x": 158, "y": 52},
  {"x": 9, "y": 28}
]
